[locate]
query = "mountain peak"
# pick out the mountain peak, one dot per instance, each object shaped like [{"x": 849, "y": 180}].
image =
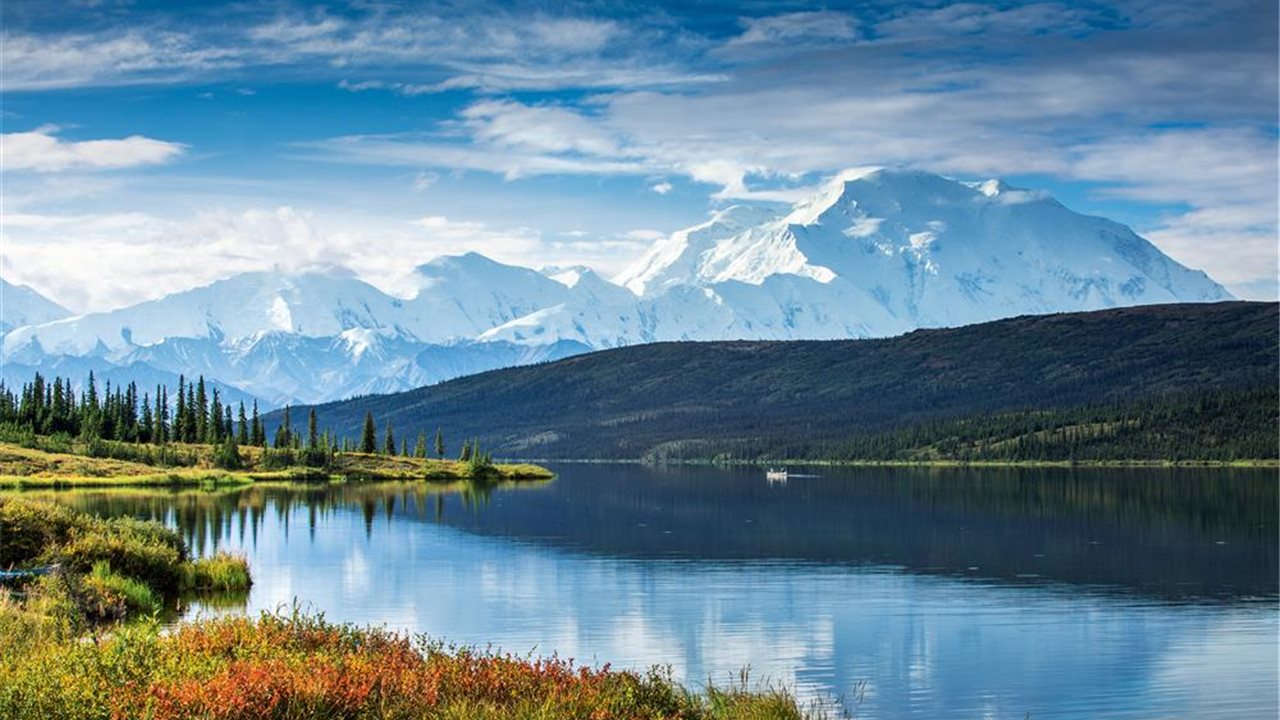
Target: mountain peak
[
  {"x": 461, "y": 261},
  {"x": 20, "y": 305}
]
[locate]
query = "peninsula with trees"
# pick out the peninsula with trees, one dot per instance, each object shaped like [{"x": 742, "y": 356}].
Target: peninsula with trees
[{"x": 55, "y": 435}]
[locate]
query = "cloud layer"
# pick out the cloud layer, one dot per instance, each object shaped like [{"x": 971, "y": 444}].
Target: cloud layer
[{"x": 1165, "y": 110}]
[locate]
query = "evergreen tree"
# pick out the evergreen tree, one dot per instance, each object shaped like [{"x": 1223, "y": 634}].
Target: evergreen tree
[
  {"x": 227, "y": 456},
  {"x": 147, "y": 423},
  {"x": 202, "y": 412},
  {"x": 213, "y": 425},
  {"x": 242, "y": 436},
  {"x": 257, "y": 434},
  {"x": 284, "y": 433},
  {"x": 389, "y": 442},
  {"x": 91, "y": 394},
  {"x": 191, "y": 425},
  {"x": 420, "y": 448},
  {"x": 369, "y": 440},
  {"x": 439, "y": 443},
  {"x": 180, "y": 413},
  {"x": 313, "y": 436},
  {"x": 159, "y": 433}
]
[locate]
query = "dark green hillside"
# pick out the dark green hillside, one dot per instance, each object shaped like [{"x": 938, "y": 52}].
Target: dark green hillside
[{"x": 1190, "y": 381}]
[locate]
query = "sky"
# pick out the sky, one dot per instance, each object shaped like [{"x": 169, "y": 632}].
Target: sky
[{"x": 149, "y": 147}]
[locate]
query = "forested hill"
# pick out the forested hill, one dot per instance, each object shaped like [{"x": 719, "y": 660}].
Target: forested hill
[{"x": 1156, "y": 382}]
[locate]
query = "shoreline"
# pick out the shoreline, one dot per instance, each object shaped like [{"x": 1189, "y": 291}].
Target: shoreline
[
  {"x": 1088, "y": 464},
  {"x": 35, "y": 467}
]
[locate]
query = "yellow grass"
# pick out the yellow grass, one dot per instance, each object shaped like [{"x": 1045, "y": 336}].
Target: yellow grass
[{"x": 22, "y": 467}]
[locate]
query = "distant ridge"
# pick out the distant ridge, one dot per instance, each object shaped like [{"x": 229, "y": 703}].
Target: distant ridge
[{"x": 1210, "y": 369}]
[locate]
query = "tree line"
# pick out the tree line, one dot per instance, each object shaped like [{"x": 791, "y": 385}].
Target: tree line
[
  {"x": 194, "y": 414},
  {"x": 1216, "y": 424}
]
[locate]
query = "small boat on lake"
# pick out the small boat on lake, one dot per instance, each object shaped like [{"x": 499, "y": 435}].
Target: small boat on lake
[{"x": 776, "y": 475}]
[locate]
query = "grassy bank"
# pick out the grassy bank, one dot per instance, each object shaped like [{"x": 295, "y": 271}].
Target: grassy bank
[
  {"x": 294, "y": 666},
  {"x": 102, "y": 570},
  {"x": 67, "y": 464}
]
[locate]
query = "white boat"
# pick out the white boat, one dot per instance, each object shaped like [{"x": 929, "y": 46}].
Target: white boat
[{"x": 772, "y": 474}]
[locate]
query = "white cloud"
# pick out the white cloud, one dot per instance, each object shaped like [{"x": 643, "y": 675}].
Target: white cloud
[
  {"x": 42, "y": 62},
  {"x": 424, "y": 180},
  {"x": 138, "y": 256},
  {"x": 964, "y": 18},
  {"x": 808, "y": 27},
  {"x": 487, "y": 48},
  {"x": 662, "y": 188},
  {"x": 538, "y": 129},
  {"x": 40, "y": 150},
  {"x": 645, "y": 235},
  {"x": 1227, "y": 177}
]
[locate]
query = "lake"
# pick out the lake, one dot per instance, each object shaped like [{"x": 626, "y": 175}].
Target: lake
[{"x": 906, "y": 593}]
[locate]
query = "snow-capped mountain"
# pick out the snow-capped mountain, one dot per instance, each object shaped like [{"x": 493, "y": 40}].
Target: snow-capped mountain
[
  {"x": 875, "y": 253},
  {"x": 20, "y": 305}
]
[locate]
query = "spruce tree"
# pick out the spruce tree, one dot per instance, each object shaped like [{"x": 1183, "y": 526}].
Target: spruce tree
[
  {"x": 284, "y": 433},
  {"x": 147, "y": 422},
  {"x": 159, "y": 434},
  {"x": 439, "y": 443},
  {"x": 389, "y": 442},
  {"x": 257, "y": 434},
  {"x": 191, "y": 425},
  {"x": 369, "y": 440},
  {"x": 213, "y": 425},
  {"x": 313, "y": 435},
  {"x": 227, "y": 456},
  {"x": 242, "y": 437},
  {"x": 202, "y": 412},
  {"x": 180, "y": 413},
  {"x": 420, "y": 448}
]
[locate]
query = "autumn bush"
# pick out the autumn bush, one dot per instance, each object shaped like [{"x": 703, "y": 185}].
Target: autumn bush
[{"x": 290, "y": 666}]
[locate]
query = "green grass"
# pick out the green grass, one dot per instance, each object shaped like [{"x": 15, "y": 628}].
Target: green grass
[
  {"x": 221, "y": 572},
  {"x": 136, "y": 596}
]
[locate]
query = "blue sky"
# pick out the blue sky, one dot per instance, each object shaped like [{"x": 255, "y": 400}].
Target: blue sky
[{"x": 150, "y": 147}]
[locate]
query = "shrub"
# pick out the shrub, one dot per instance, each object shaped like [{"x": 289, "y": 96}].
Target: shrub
[
  {"x": 221, "y": 572},
  {"x": 27, "y": 528},
  {"x": 227, "y": 455},
  {"x": 133, "y": 554},
  {"x": 296, "y": 666},
  {"x": 277, "y": 459}
]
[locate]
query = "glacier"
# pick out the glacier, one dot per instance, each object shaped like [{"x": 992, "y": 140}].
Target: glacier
[{"x": 874, "y": 253}]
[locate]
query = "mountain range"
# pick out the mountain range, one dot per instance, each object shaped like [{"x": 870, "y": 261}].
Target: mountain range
[{"x": 874, "y": 254}]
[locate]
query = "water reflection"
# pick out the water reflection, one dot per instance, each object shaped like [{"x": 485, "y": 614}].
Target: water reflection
[{"x": 940, "y": 593}]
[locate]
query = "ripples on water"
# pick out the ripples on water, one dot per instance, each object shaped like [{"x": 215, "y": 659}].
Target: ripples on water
[{"x": 910, "y": 593}]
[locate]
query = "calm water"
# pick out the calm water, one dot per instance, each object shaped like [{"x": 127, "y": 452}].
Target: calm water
[{"x": 909, "y": 593}]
